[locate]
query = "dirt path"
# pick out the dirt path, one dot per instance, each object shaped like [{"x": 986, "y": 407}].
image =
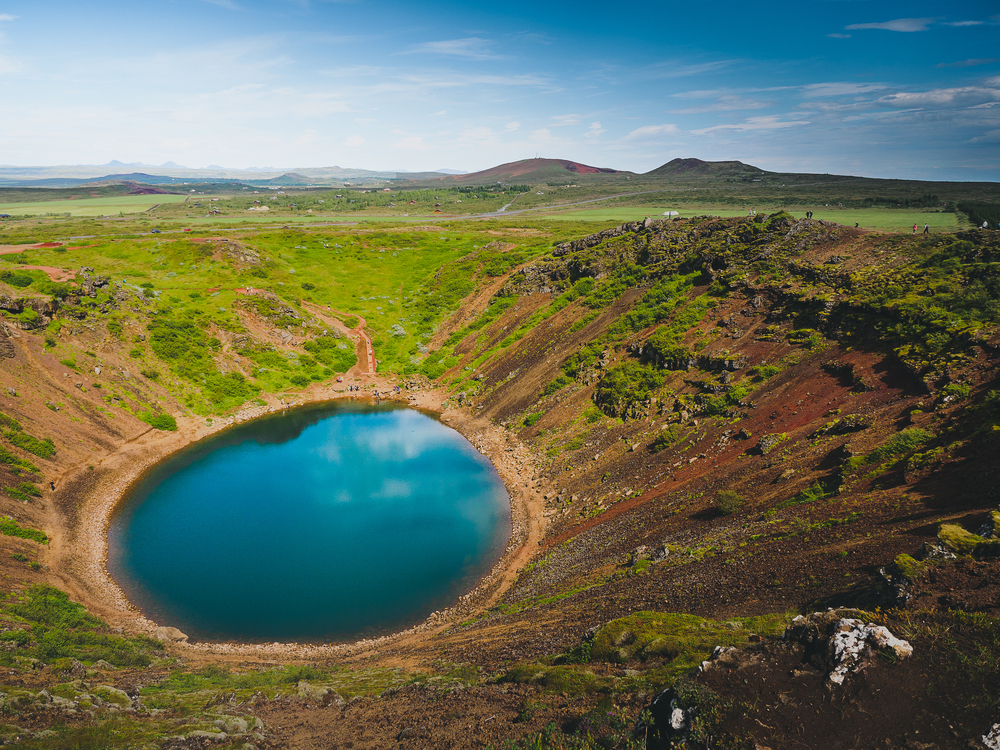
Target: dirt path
[
  {"x": 365, "y": 351},
  {"x": 362, "y": 344}
]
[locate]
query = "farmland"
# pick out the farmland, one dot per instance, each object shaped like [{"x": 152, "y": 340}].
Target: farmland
[{"x": 110, "y": 206}]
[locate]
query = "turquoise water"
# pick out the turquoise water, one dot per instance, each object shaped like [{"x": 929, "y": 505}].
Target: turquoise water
[{"x": 324, "y": 523}]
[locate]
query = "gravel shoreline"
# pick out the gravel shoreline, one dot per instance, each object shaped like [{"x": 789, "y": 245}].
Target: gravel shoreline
[{"x": 80, "y": 560}]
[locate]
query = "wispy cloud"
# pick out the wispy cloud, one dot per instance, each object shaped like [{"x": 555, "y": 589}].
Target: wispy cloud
[
  {"x": 728, "y": 103},
  {"x": 7, "y": 17},
  {"x": 964, "y": 23},
  {"x": 594, "y": 131},
  {"x": 839, "y": 36},
  {"x": 649, "y": 132},
  {"x": 512, "y": 126},
  {"x": 969, "y": 63},
  {"x": 965, "y": 96},
  {"x": 837, "y": 88},
  {"x": 992, "y": 136},
  {"x": 471, "y": 48},
  {"x": 770, "y": 122},
  {"x": 561, "y": 121},
  {"x": 900, "y": 24},
  {"x": 354, "y": 141}
]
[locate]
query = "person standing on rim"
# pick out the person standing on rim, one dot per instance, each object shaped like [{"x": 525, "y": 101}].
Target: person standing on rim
[{"x": 927, "y": 228}]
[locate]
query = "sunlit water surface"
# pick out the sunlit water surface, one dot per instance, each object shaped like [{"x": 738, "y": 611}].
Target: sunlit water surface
[{"x": 324, "y": 523}]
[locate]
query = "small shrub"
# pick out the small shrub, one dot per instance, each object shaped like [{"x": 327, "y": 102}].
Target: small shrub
[
  {"x": 668, "y": 436},
  {"x": 10, "y": 527},
  {"x": 159, "y": 421},
  {"x": 532, "y": 419},
  {"x": 559, "y": 383},
  {"x": 728, "y": 502}
]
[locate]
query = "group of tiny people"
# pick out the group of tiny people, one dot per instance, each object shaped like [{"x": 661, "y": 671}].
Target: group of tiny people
[
  {"x": 357, "y": 389},
  {"x": 927, "y": 228}
]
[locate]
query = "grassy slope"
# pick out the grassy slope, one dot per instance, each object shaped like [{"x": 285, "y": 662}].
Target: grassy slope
[{"x": 581, "y": 579}]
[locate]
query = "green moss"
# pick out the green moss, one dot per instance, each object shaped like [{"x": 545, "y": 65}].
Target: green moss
[
  {"x": 570, "y": 679},
  {"x": 908, "y": 567},
  {"x": 957, "y": 539},
  {"x": 686, "y": 639}
]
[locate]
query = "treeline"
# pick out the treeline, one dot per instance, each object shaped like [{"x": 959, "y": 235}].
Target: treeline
[{"x": 980, "y": 212}]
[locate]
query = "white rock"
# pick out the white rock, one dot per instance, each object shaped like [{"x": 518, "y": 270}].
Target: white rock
[{"x": 992, "y": 739}]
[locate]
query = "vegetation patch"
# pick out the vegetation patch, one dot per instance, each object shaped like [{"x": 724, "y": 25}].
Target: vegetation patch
[{"x": 10, "y": 527}]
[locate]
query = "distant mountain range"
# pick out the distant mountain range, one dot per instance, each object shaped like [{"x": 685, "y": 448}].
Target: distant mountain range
[
  {"x": 172, "y": 173},
  {"x": 527, "y": 171}
]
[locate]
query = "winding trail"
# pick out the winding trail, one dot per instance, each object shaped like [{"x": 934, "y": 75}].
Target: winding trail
[{"x": 363, "y": 344}]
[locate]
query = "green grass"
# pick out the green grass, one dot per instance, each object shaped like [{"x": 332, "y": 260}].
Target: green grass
[
  {"x": 10, "y": 527},
  {"x": 111, "y": 206},
  {"x": 888, "y": 219}
]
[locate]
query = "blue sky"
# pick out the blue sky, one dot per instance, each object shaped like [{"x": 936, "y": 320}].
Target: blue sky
[{"x": 887, "y": 89}]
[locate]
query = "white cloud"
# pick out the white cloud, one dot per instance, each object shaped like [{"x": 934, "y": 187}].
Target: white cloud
[
  {"x": 560, "y": 121},
  {"x": 770, "y": 122},
  {"x": 594, "y": 131},
  {"x": 512, "y": 126},
  {"x": 726, "y": 103},
  {"x": 964, "y": 23},
  {"x": 307, "y": 138},
  {"x": 7, "y": 17},
  {"x": 841, "y": 89},
  {"x": 472, "y": 48},
  {"x": 648, "y": 132},
  {"x": 899, "y": 24},
  {"x": 441, "y": 113},
  {"x": 966, "y": 96},
  {"x": 354, "y": 141},
  {"x": 993, "y": 136},
  {"x": 969, "y": 63},
  {"x": 839, "y": 36}
]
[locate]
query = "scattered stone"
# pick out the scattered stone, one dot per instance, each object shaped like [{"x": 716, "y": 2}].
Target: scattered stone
[
  {"x": 846, "y": 643},
  {"x": 992, "y": 738},
  {"x": 164, "y": 634}
]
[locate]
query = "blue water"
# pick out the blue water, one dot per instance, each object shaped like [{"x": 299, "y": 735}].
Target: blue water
[{"x": 324, "y": 523}]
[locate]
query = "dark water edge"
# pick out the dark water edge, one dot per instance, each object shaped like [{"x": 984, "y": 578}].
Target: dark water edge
[{"x": 328, "y": 522}]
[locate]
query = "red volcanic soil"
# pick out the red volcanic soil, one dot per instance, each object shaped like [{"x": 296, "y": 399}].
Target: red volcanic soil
[
  {"x": 584, "y": 169},
  {"x": 56, "y": 274}
]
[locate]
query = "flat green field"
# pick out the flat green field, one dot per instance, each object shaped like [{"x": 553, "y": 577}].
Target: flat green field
[
  {"x": 123, "y": 204},
  {"x": 868, "y": 218}
]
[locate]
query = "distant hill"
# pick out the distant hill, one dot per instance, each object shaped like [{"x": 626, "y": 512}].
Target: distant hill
[
  {"x": 696, "y": 168},
  {"x": 531, "y": 171}
]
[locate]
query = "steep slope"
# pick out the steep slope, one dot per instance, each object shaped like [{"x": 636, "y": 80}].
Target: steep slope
[{"x": 730, "y": 421}]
